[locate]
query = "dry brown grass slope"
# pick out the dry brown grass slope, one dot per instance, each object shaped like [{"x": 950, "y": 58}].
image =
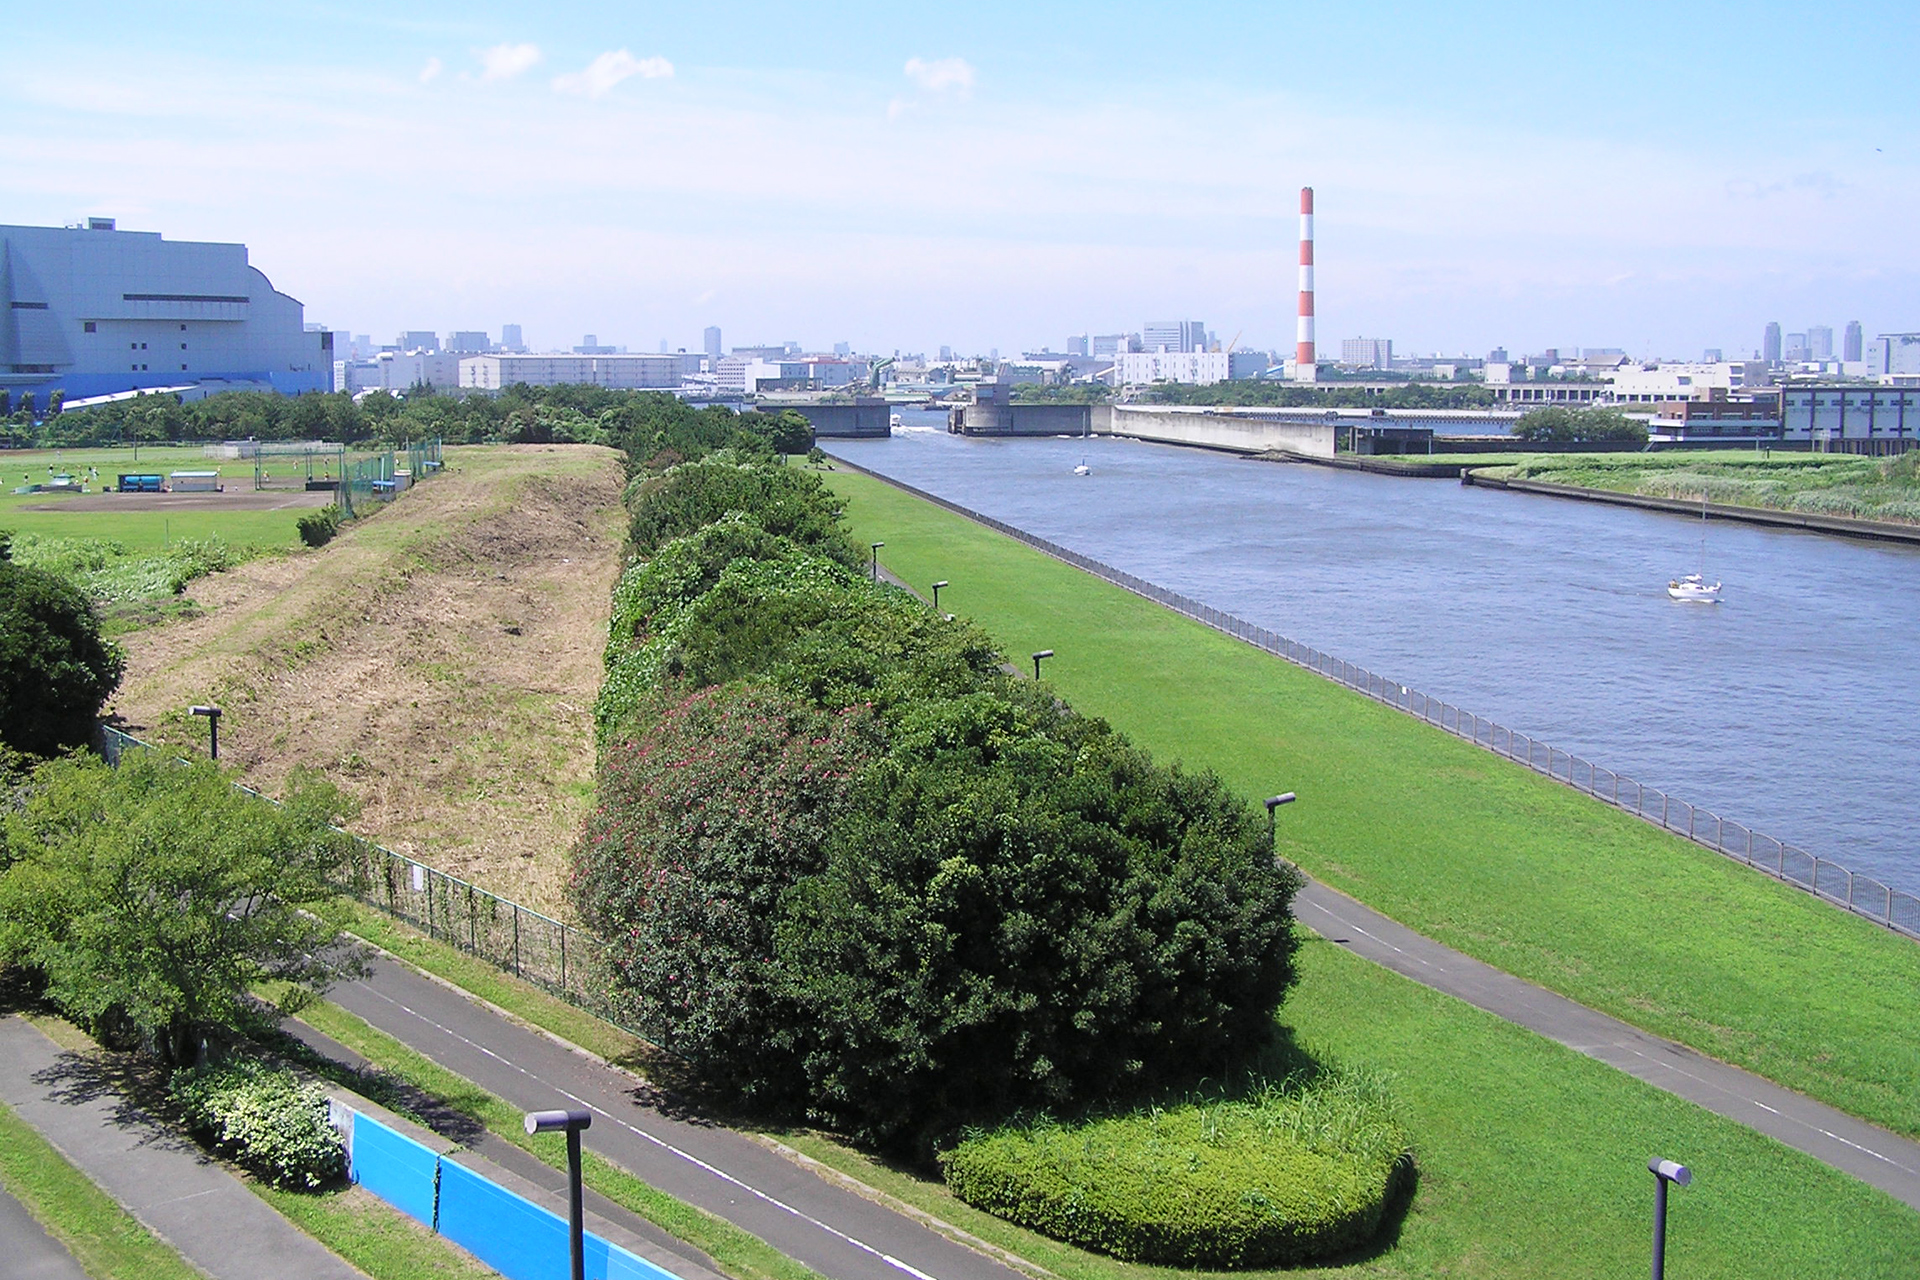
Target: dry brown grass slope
[{"x": 438, "y": 660}]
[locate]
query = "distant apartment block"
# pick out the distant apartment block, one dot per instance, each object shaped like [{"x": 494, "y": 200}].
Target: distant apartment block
[
  {"x": 469, "y": 342},
  {"x": 417, "y": 340},
  {"x": 1367, "y": 353},
  {"x": 1894, "y": 357},
  {"x": 1828, "y": 414},
  {"x": 1173, "y": 335},
  {"x": 1142, "y": 368},
  {"x": 620, "y": 372},
  {"x": 95, "y": 311}
]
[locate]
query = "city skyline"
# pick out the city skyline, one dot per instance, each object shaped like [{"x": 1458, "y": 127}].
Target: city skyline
[{"x": 585, "y": 170}]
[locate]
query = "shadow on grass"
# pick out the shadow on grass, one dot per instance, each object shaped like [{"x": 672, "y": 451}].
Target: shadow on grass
[{"x": 321, "y": 1055}]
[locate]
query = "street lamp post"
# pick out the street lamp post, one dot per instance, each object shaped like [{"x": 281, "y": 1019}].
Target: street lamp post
[
  {"x": 1664, "y": 1172},
  {"x": 1274, "y": 802},
  {"x": 1044, "y": 653},
  {"x": 936, "y": 594},
  {"x": 572, "y": 1122},
  {"x": 213, "y": 727},
  {"x": 876, "y": 559}
]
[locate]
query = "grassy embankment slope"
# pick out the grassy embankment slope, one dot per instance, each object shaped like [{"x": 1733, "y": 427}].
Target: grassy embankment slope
[
  {"x": 1819, "y": 484},
  {"x": 1472, "y": 850},
  {"x": 439, "y": 660}
]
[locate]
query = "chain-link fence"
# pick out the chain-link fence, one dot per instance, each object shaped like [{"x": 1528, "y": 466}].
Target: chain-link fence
[
  {"x": 1829, "y": 880},
  {"x": 563, "y": 960},
  {"x": 384, "y": 476}
]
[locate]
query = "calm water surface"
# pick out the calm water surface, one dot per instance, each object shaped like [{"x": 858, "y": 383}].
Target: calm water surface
[{"x": 1791, "y": 706}]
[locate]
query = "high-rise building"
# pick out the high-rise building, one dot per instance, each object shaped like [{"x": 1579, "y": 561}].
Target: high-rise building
[
  {"x": 1114, "y": 344},
  {"x": 1797, "y": 349},
  {"x": 469, "y": 342},
  {"x": 1497, "y": 356},
  {"x": 418, "y": 340},
  {"x": 843, "y": 348},
  {"x": 510, "y": 339},
  {"x": 1770, "y": 345},
  {"x": 946, "y": 353},
  {"x": 1712, "y": 355},
  {"x": 1077, "y": 345},
  {"x": 1367, "y": 353},
  {"x": 712, "y": 341},
  {"x": 1853, "y": 345},
  {"x": 1174, "y": 335},
  {"x": 95, "y": 310},
  {"x": 1820, "y": 342}
]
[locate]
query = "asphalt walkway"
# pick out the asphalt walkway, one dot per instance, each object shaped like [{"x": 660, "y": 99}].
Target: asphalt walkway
[
  {"x": 1872, "y": 1154},
  {"x": 835, "y": 1231},
  {"x": 30, "y": 1252},
  {"x": 161, "y": 1178}
]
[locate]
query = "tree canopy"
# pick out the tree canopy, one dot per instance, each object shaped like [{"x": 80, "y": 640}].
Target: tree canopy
[{"x": 55, "y": 669}]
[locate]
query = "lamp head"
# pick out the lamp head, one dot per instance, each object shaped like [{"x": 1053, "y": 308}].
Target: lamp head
[
  {"x": 1670, "y": 1171},
  {"x": 1274, "y": 802},
  {"x": 558, "y": 1121},
  {"x": 940, "y": 584},
  {"x": 199, "y": 709},
  {"x": 1044, "y": 653}
]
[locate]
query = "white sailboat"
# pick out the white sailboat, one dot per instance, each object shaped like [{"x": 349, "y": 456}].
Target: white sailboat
[
  {"x": 1083, "y": 469},
  {"x": 1693, "y": 588}
]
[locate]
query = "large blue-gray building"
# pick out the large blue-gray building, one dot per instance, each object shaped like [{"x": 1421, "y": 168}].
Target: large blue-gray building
[{"x": 94, "y": 311}]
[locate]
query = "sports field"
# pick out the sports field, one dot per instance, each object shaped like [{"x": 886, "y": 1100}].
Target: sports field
[{"x": 147, "y": 522}]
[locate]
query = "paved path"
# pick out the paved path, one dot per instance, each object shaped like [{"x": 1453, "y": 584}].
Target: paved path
[
  {"x": 1872, "y": 1154},
  {"x": 30, "y": 1253},
  {"x": 838, "y": 1233},
  {"x": 161, "y": 1178}
]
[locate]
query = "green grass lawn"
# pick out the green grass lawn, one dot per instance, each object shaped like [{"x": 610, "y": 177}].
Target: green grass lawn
[
  {"x": 1532, "y": 1158},
  {"x": 136, "y": 530},
  {"x": 1823, "y": 484},
  {"x": 1468, "y": 848},
  {"x": 104, "y": 1238},
  {"x": 374, "y": 1236}
]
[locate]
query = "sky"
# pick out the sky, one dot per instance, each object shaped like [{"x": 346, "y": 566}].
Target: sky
[{"x": 1658, "y": 178}]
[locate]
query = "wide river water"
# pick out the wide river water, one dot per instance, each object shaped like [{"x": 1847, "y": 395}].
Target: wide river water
[{"x": 1792, "y": 706}]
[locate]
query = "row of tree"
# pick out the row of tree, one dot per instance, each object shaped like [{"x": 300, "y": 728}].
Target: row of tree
[{"x": 854, "y": 871}]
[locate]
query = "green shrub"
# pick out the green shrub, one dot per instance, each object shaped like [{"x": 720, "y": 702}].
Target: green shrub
[
  {"x": 786, "y": 501},
  {"x": 1289, "y": 1175},
  {"x": 318, "y": 527},
  {"x": 55, "y": 669},
  {"x": 265, "y": 1120}
]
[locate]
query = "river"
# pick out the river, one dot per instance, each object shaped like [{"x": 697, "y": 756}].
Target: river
[{"x": 1791, "y": 706}]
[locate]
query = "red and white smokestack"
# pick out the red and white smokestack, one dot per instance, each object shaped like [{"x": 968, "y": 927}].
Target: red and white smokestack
[{"x": 1303, "y": 358}]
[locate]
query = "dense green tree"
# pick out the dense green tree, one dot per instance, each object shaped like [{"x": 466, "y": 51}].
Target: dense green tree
[
  {"x": 154, "y": 897},
  {"x": 1558, "y": 424},
  {"x": 55, "y": 669}
]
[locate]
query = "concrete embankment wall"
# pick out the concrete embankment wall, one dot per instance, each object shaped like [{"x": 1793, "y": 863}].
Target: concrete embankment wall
[
  {"x": 1877, "y": 530},
  {"x": 862, "y": 419},
  {"x": 989, "y": 418},
  {"x": 1234, "y": 430}
]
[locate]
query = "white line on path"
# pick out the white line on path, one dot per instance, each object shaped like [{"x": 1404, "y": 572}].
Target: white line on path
[{"x": 688, "y": 1156}]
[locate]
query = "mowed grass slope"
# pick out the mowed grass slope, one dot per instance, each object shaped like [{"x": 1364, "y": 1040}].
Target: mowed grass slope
[
  {"x": 1472, "y": 850},
  {"x": 1532, "y": 1160}
]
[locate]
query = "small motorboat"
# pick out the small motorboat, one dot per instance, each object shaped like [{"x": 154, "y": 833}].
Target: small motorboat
[
  {"x": 1083, "y": 469},
  {"x": 1695, "y": 589}
]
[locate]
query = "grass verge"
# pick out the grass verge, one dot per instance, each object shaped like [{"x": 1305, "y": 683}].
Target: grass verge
[
  {"x": 1467, "y": 848},
  {"x": 107, "y": 1242},
  {"x": 1532, "y": 1160},
  {"x": 373, "y": 1235},
  {"x": 736, "y": 1252}
]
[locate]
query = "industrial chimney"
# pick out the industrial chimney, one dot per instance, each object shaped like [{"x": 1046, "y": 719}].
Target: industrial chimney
[{"x": 1304, "y": 368}]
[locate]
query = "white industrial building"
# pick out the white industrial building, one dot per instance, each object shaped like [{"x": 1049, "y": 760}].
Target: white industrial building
[
  {"x": 620, "y": 372},
  {"x": 1894, "y": 357},
  {"x": 1142, "y": 368},
  {"x": 1651, "y": 384},
  {"x": 94, "y": 311}
]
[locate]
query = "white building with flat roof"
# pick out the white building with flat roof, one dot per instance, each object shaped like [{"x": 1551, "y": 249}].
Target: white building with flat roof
[
  {"x": 620, "y": 372},
  {"x": 1142, "y": 368},
  {"x": 95, "y": 311}
]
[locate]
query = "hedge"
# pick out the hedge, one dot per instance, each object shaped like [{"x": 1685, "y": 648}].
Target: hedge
[
  {"x": 266, "y": 1120},
  {"x": 1289, "y": 1175}
]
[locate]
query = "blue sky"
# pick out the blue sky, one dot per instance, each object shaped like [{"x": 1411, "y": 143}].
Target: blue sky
[{"x": 1661, "y": 178}]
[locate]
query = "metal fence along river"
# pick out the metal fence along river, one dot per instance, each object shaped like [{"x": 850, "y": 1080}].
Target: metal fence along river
[{"x": 1828, "y": 880}]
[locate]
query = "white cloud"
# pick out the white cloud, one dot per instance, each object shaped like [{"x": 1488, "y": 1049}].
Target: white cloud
[
  {"x": 941, "y": 74},
  {"x": 608, "y": 70},
  {"x": 505, "y": 61},
  {"x": 431, "y": 72}
]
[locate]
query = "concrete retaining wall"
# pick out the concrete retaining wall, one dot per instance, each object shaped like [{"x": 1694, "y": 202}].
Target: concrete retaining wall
[
  {"x": 1235, "y": 430},
  {"x": 862, "y": 419}
]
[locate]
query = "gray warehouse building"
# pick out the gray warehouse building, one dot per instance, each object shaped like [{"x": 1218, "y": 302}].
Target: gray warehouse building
[{"x": 94, "y": 311}]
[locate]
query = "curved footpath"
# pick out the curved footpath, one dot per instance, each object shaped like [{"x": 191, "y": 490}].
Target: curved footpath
[{"x": 1874, "y": 1155}]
